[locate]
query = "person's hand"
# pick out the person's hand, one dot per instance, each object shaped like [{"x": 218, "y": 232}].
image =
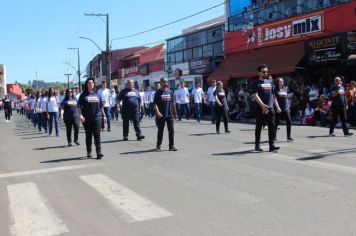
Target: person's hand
[
  {"x": 219, "y": 104},
  {"x": 47, "y": 116},
  {"x": 104, "y": 118},
  {"x": 60, "y": 118},
  {"x": 82, "y": 119},
  {"x": 159, "y": 115},
  {"x": 279, "y": 110},
  {"x": 265, "y": 109},
  {"x": 175, "y": 116}
]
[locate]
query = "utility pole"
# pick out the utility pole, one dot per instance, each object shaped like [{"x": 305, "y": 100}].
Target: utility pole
[
  {"x": 108, "y": 53},
  {"x": 80, "y": 85},
  {"x": 68, "y": 79}
]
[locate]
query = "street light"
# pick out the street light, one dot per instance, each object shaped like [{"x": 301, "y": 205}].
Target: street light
[
  {"x": 68, "y": 79},
  {"x": 92, "y": 42},
  {"x": 80, "y": 85}
]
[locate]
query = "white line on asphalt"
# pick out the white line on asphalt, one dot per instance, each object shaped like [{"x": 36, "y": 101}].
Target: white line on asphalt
[
  {"x": 135, "y": 207},
  {"x": 316, "y": 164},
  {"x": 30, "y": 214},
  {"x": 44, "y": 171}
]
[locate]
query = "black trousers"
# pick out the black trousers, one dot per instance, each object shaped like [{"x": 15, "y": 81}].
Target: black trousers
[
  {"x": 221, "y": 112},
  {"x": 160, "y": 124},
  {"x": 7, "y": 113},
  {"x": 126, "y": 117},
  {"x": 93, "y": 128},
  {"x": 284, "y": 115},
  {"x": 72, "y": 123},
  {"x": 262, "y": 119},
  {"x": 338, "y": 111}
]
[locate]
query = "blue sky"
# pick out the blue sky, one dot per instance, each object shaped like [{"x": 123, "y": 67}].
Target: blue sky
[{"x": 35, "y": 34}]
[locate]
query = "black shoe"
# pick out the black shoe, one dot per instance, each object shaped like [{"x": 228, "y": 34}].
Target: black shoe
[
  {"x": 158, "y": 149},
  {"x": 217, "y": 132},
  {"x": 126, "y": 138},
  {"x": 273, "y": 148},
  {"x": 70, "y": 144},
  {"x": 227, "y": 131},
  {"x": 89, "y": 154},
  {"x": 99, "y": 156},
  {"x": 290, "y": 139},
  {"x": 348, "y": 134},
  {"x": 109, "y": 130},
  {"x": 258, "y": 149},
  {"x": 331, "y": 135},
  {"x": 76, "y": 142},
  {"x": 140, "y": 136},
  {"x": 173, "y": 149}
]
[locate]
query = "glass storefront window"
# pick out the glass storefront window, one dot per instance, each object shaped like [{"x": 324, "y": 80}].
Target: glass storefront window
[
  {"x": 218, "y": 49},
  {"x": 188, "y": 54},
  {"x": 197, "y": 52},
  {"x": 208, "y": 50},
  {"x": 179, "y": 56}
]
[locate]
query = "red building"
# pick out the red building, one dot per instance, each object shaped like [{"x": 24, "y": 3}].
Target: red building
[{"x": 15, "y": 92}]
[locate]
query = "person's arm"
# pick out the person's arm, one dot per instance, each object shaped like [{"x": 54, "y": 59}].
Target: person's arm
[
  {"x": 263, "y": 106},
  {"x": 275, "y": 102},
  {"x": 157, "y": 112},
  {"x": 217, "y": 100},
  {"x": 47, "y": 107},
  {"x": 139, "y": 102}
]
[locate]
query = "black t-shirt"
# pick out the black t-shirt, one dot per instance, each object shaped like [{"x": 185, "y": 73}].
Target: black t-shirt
[
  {"x": 264, "y": 89},
  {"x": 338, "y": 100},
  {"x": 90, "y": 104},
  {"x": 70, "y": 108},
  {"x": 221, "y": 96},
  {"x": 130, "y": 100},
  {"x": 282, "y": 98},
  {"x": 164, "y": 101},
  {"x": 7, "y": 103}
]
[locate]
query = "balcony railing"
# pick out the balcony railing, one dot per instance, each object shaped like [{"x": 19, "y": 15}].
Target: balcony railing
[{"x": 279, "y": 10}]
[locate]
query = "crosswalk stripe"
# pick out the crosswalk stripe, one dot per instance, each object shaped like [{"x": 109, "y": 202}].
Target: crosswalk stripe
[
  {"x": 311, "y": 163},
  {"x": 30, "y": 214},
  {"x": 135, "y": 207}
]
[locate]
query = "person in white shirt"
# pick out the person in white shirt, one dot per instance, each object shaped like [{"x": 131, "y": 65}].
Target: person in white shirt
[
  {"x": 313, "y": 96},
  {"x": 151, "y": 97},
  {"x": 114, "y": 107},
  {"x": 105, "y": 95},
  {"x": 142, "y": 96},
  {"x": 198, "y": 97},
  {"x": 183, "y": 96},
  {"x": 38, "y": 111},
  {"x": 52, "y": 111},
  {"x": 211, "y": 100},
  {"x": 176, "y": 94},
  {"x": 43, "y": 106}
]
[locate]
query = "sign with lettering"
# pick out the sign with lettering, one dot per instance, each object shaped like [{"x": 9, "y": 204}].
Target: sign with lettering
[
  {"x": 130, "y": 71},
  {"x": 199, "y": 67},
  {"x": 325, "y": 50}
]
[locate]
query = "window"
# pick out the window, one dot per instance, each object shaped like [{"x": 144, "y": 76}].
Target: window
[
  {"x": 170, "y": 57},
  {"x": 208, "y": 50},
  {"x": 179, "y": 56},
  {"x": 214, "y": 35},
  {"x": 197, "y": 52},
  {"x": 218, "y": 49},
  {"x": 188, "y": 54}
]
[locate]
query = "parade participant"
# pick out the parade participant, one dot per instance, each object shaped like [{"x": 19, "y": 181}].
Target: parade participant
[
  {"x": 6, "y": 105},
  {"x": 69, "y": 114},
  {"x": 38, "y": 111},
  {"x": 114, "y": 111},
  {"x": 338, "y": 107},
  {"x": 183, "y": 96},
  {"x": 142, "y": 96},
  {"x": 221, "y": 108},
  {"x": 281, "y": 93},
  {"x": 198, "y": 98},
  {"x": 131, "y": 106},
  {"x": 164, "y": 106},
  {"x": 263, "y": 93},
  {"x": 52, "y": 111},
  {"x": 176, "y": 98},
  {"x": 32, "y": 104},
  {"x": 91, "y": 113},
  {"x": 211, "y": 100},
  {"x": 105, "y": 95},
  {"x": 43, "y": 105}
]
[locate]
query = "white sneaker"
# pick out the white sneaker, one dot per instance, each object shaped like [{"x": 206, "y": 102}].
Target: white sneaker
[{"x": 9, "y": 121}]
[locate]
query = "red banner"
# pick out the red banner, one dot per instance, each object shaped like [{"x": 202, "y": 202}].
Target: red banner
[{"x": 301, "y": 27}]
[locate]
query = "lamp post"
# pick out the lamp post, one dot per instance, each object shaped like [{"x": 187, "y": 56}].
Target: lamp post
[{"x": 80, "y": 85}]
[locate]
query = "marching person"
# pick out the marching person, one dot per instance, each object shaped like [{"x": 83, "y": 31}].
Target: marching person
[
  {"x": 221, "y": 108},
  {"x": 264, "y": 96},
  {"x": 183, "y": 96},
  {"x": 105, "y": 95},
  {"x": 70, "y": 116},
  {"x": 338, "y": 107},
  {"x": 211, "y": 100},
  {"x": 6, "y": 105},
  {"x": 91, "y": 113},
  {"x": 281, "y": 94},
  {"x": 52, "y": 111},
  {"x": 198, "y": 98},
  {"x": 165, "y": 109},
  {"x": 43, "y": 106},
  {"x": 131, "y": 107},
  {"x": 38, "y": 111}
]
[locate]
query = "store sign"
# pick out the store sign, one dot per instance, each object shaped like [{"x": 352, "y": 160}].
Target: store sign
[
  {"x": 325, "y": 50},
  {"x": 199, "y": 67},
  {"x": 183, "y": 67},
  {"x": 130, "y": 71},
  {"x": 351, "y": 42}
]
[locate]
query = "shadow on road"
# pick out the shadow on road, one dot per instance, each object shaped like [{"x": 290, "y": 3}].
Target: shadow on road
[
  {"x": 247, "y": 130},
  {"x": 115, "y": 141},
  {"x": 138, "y": 152},
  {"x": 45, "y": 136},
  {"x": 322, "y": 136},
  {"x": 47, "y": 148},
  {"x": 252, "y": 151},
  {"x": 62, "y": 160},
  {"x": 321, "y": 155},
  {"x": 202, "y": 134}
]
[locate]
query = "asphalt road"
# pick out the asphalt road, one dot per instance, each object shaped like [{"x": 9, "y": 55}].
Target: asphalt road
[{"x": 213, "y": 185}]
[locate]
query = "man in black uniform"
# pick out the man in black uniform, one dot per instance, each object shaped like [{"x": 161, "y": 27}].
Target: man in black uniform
[
  {"x": 338, "y": 107},
  {"x": 165, "y": 109},
  {"x": 131, "y": 107},
  {"x": 264, "y": 95}
]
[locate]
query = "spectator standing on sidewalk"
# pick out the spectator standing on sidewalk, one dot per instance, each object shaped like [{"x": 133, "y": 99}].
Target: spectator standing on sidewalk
[
  {"x": 164, "y": 106},
  {"x": 105, "y": 95},
  {"x": 91, "y": 114},
  {"x": 211, "y": 100},
  {"x": 338, "y": 107},
  {"x": 130, "y": 110}
]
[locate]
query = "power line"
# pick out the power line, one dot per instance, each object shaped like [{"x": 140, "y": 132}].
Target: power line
[{"x": 173, "y": 22}]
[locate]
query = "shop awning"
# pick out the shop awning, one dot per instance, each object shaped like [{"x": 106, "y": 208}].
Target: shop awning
[
  {"x": 279, "y": 59},
  {"x": 351, "y": 60}
]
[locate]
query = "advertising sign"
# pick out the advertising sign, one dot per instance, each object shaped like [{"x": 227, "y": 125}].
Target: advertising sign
[{"x": 199, "y": 67}]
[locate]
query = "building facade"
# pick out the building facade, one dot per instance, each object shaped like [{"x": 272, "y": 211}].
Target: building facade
[{"x": 3, "y": 87}]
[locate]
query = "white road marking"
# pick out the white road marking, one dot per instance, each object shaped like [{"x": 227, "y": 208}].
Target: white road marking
[
  {"x": 44, "y": 171},
  {"x": 135, "y": 207},
  {"x": 30, "y": 214},
  {"x": 312, "y": 163}
]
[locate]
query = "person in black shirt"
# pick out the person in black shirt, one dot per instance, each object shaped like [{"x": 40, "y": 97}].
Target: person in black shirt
[
  {"x": 338, "y": 107},
  {"x": 281, "y": 93},
  {"x": 263, "y": 93},
  {"x": 6, "y": 104},
  {"x": 131, "y": 107},
  {"x": 91, "y": 111},
  {"x": 221, "y": 107},
  {"x": 70, "y": 115},
  {"x": 165, "y": 110}
]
